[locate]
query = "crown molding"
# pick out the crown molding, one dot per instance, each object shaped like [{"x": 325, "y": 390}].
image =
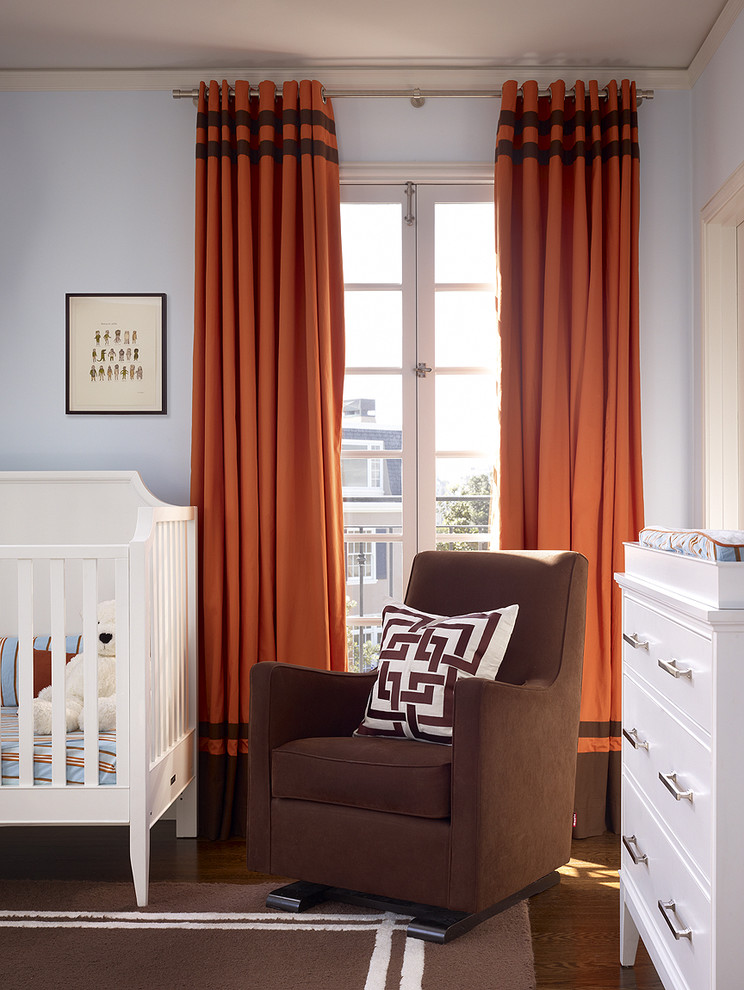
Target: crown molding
[
  {"x": 717, "y": 33},
  {"x": 464, "y": 76}
]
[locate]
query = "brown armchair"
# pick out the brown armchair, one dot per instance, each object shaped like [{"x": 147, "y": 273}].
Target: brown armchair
[{"x": 467, "y": 829}]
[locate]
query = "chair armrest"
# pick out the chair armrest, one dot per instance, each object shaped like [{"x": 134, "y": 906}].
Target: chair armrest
[
  {"x": 513, "y": 775},
  {"x": 290, "y": 702}
]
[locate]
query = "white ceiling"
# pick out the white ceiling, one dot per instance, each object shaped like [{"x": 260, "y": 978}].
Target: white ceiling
[{"x": 198, "y": 34}]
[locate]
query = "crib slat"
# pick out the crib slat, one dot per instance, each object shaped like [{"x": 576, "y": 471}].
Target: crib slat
[
  {"x": 123, "y": 702},
  {"x": 181, "y": 620},
  {"x": 25, "y": 672},
  {"x": 155, "y": 649},
  {"x": 162, "y": 708},
  {"x": 192, "y": 620},
  {"x": 57, "y": 628},
  {"x": 167, "y": 639},
  {"x": 90, "y": 668},
  {"x": 163, "y": 652},
  {"x": 170, "y": 618}
]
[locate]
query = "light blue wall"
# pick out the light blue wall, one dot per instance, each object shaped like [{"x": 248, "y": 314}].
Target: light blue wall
[
  {"x": 665, "y": 256},
  {"x": 97, "y": 196},
  {"x": 391, "y": 130},
  {"x": 718, "y": 118}
]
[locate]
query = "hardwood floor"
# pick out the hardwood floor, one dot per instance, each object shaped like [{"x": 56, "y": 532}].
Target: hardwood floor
[{"x": 574, "y": 925}]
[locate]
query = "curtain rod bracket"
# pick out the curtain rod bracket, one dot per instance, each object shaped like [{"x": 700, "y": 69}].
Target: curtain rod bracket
[{"x": 417, "y": 100}]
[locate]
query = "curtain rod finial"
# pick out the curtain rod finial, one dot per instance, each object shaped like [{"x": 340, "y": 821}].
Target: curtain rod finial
[{"x": 417, "y": 100}]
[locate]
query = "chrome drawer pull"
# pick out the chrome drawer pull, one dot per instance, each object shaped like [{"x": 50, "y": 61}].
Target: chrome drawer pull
[
  {"x": 635, "y": 642},
  {"x": 670, "y": 666},
  {"x": 637, "y": 857},
  {"x": 665, "y": 907},
  {"x": 635, "y": 741},
  {"x": 669, "y": 780}
]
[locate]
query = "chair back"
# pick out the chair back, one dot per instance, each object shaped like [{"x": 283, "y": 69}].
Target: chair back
[{"x": 549, "y": 587}]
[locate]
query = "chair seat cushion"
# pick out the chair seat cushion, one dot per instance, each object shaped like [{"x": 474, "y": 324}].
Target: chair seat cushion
[{"x": 399, "y": 776}]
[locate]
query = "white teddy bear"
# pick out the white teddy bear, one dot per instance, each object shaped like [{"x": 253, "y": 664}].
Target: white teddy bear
[{"x": 106, "y": 642}]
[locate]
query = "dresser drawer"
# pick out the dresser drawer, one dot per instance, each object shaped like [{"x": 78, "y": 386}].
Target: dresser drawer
[
  {"x": 672, "y": 657},
  {"x": 663, "y": 876},
  {"x": 655, "y": 743}
]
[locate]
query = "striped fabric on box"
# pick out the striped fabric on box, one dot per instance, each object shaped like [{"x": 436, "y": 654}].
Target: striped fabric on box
[
  {"x": 710, "y": 544},
  {"x": 43, "y": 754},
  {"x": 42, "y": 664}
]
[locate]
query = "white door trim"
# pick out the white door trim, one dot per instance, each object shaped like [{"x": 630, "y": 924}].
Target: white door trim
[{"x": 722, "y": 392}]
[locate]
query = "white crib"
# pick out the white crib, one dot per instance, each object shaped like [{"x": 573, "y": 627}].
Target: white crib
[{"x": 69, "y": 540}]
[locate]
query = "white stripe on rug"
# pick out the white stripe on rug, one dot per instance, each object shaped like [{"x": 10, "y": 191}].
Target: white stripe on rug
[
  {"x": 190, "y": 925},
  {"x": 412, "y": 970},
  {"x": 380, "y": 961},
  {"x": 299, "y": 919}
]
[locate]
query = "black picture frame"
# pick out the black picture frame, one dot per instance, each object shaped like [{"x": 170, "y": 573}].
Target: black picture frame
[{"x": 115, "y": 354}]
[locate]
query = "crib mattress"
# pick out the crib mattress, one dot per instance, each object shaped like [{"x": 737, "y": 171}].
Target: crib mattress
[{"x": 43, "y": 754}]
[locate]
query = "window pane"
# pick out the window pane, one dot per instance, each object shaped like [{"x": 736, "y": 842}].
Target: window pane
[
  {"x": 374, "y": 329},
  {"x": 354, "y": 474},
  {"x": 464, "y": 499},
  {"x": 465, "y": 329},
  {"x": 466, "y": 412},
  {"x": 360, "y": 562},
  {"x": 369, "y": 475},
  {"x": 373, "y": 404},
  {"x": 371, "y": 242},
  {"x": 372, "y": 494},
  {"x": 373, "y": 514},
  {"x": 363, "y": 647},
  {"x": 483, "y": 544},
  {"x": 464, "y": 242},
  {"x": 381, "y": 565}
]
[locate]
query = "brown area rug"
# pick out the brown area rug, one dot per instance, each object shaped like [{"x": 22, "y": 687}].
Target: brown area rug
[{"x": 221, "y": 937}]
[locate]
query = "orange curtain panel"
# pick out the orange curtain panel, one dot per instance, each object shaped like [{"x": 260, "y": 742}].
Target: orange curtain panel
[
  {"x": 567, "y": 204},
  {"x": 267, "y": 407}
]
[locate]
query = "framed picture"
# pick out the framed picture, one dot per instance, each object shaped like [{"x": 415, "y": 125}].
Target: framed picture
[{"x": 115, "y": 357}]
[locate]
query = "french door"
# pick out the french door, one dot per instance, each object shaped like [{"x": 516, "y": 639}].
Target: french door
[{"x": 420, "y": 427}]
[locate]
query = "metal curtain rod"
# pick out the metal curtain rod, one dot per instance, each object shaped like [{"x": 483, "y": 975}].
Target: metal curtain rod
[{"x": 416, "y": 96}]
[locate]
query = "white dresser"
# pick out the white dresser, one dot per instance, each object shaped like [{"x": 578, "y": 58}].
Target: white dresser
[{"x": 682, "y": 868}]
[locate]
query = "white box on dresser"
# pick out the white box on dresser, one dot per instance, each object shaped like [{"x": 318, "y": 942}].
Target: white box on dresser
[{"x": 682, "y": 867}]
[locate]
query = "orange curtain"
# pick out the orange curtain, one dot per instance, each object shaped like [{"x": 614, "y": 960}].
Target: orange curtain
[
  {"x": 267, "y": 407},
  {"x": 566, "y": 200}
]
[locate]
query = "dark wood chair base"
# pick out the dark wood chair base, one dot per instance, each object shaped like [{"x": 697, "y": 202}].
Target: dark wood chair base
[{"x": 432, "y": 924}]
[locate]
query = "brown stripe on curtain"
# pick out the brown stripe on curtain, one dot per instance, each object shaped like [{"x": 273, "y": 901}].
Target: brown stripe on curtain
[
  {"x": 267, "y": 406},
  {"x": 566, "y": 201}
]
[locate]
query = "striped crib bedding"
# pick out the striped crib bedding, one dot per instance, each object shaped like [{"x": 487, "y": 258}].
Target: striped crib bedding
[
  {"x": 75, "y": 758},
  {"x": 43, "y": 754},
  {"x": 42, "y": 664}
]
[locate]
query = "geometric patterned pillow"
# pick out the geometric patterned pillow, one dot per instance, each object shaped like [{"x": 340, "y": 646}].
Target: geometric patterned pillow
[{"x": 421, "y": 657}]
